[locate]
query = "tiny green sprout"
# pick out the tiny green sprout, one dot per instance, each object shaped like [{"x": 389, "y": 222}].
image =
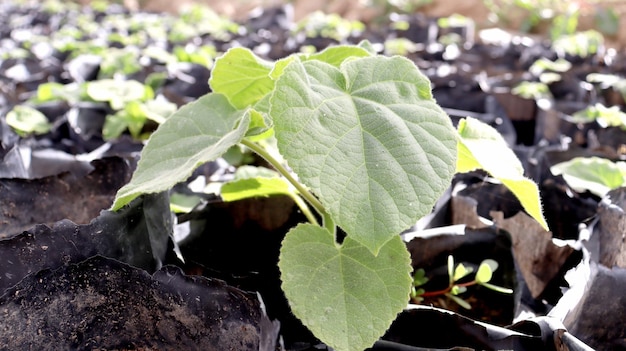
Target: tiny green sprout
[
  {"x": 460, "y": 272},
  {"x": 456, "y": 273},
  {"x": 485, "y": 271},
  {"x": 419, "y": 279},
  {"x": 532, "y": 90}
]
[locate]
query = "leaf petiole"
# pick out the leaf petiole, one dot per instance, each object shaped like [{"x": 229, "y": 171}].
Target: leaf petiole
[{"x": 328, "y": 223}]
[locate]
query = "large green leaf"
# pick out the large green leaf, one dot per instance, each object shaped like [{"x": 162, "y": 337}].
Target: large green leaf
[
  {"x": 368, "y": 139},
  {"x": 344, "y": 294},
  {"x": 242, "y": 77},
  {"x": 481, "y": 146},
  {"x": 199, "y": 132}
]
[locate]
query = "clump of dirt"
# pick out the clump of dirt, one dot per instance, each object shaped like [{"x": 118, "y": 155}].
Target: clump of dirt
[{"x": 106, "y": 304}]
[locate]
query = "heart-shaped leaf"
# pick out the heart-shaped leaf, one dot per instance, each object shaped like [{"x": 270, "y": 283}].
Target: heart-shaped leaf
[
  {"x": 199, "y": 132},
  {"x": 368, "y": 139},
  {"x": 344, "y": 294}
]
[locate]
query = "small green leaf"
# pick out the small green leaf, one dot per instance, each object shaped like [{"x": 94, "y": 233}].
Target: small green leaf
[
  {"x": 367, "y": 46},
  {"x": 460, "y": 301},
  {"x": 116, "y": 61},
  {"x": 532, "y": 90},
  {"x": 485, "y": 272},
  {"x": 603, "y": 79},
  {"x": 605, "y": 116},
  {"x": 416, "y": 294},
  {"x": 419, "y": 277},
  {"x": 53, "y": 91},
  {"x": 497, "y": 288},
  {"x": 114, "y": 125},
  {"x": 336, "y": 55},
  {"x": 461, "y": 271},
  {"x": 50, "y": 91},
  {"x": 134, "y": 116},
  {"x": 596, "y": 174},
  {"x": 26, "y": 120},
  {"x": 344, "y": 294},
  {"x": 493, "y": 265},
  {"x": 583, "y": 44},
  {"x": 182, "y": 203},
  {"x": 544, "y": 64},
  {"x": 368, "y": 139},
  {"x": 457, "y": 290},
  {"x": 481, "y": 146},
  {"x": 156, "y": 80},
  {"x": 255, "y": 187},
  {"x": 279, "y": 66},
  {"x": 242, "y": 77},
  {"x": 117, "y": 92},
  {"x": 199, "y": 132},
  {"x": 260, "y": 126}
]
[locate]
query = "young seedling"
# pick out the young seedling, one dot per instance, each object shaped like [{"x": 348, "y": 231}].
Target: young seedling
[
  {"x": 532, "y": 90},
  {"x": 455, "y": 287},
  {"x": 604, "y": 116},
  {"x": 362, "y": 146}
]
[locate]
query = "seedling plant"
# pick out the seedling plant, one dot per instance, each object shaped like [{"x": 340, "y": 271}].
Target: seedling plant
[
  {"x": 362, "y": 148},
  {"x": 134, "y": 104},
  {"x": 455, "y": 286}
]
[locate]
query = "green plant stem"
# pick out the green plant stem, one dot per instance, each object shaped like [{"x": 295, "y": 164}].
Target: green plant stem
[
  {"x": 305, "y": 209},
  {"x": 304, "y": 192}
]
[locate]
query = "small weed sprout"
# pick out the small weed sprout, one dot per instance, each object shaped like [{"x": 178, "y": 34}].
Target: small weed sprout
[{"x": 455, "y": 287}]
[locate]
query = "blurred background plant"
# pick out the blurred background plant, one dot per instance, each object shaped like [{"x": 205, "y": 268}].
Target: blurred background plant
[
  {"x": 553, "y": 18},
  {"x": 556, "y": 17},
  {"x": 402, "y": 6}
]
